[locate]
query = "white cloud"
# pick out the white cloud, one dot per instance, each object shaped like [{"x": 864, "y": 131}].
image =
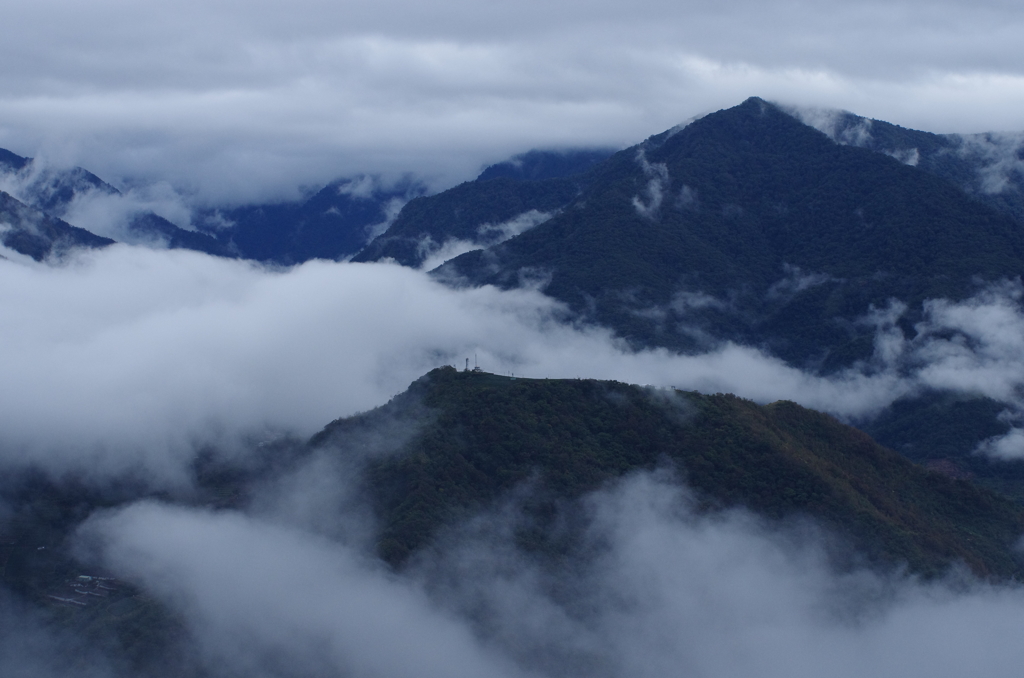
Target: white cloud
[
  {"x": 487, "y": 235},
  {"x": 1001, "y": 155},
  {"x": 656, "y": 590},
  {"x": 110, "y": 214},
  {"x": 657, "y": 182},
  {"x": 129, "y": 358},
  {"x": 101, "y": 209},
  {"x": 259, "y": 595}
]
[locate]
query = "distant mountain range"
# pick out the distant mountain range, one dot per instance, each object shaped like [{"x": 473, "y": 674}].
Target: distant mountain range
[
  {"x": 761, "y": 225},
  {"x": 334, "y": 223},
  {"x": 365, "y": 218},
  {"x": 43, "y": 193},
  {"x": 35, "y": 234},
  {"x": 745, "y": 225},
  {"x": 777, "y": 228}
]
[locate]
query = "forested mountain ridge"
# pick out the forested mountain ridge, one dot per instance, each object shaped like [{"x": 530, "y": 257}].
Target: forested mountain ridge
[
  {"x": 506, "y": 199},
  {"x": 465, "y": 213},
  {"x": 458, "y": 445},
  {"x": 481, "y": 435},
  {"x": 751, "y": 226},
  {"x": 334, "y": 223},
  {"x": 988, "y": 166}
]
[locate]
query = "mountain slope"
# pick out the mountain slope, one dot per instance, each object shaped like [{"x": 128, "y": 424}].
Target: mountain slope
[
  {"x": 147, "y": 227},
  {"x": 507, "y": 198},
  {"x": 466, "y": 213},
  {"x": 38, "y": 235},
  {"x": 481, "y": 435},
  {"x": 334, "y": 223},
  {"x": 988, "y": 166},
  {"x": 751, "y": 226},
  {"x": 537, "y": 165},
  {"x": 56, "y": 191}
]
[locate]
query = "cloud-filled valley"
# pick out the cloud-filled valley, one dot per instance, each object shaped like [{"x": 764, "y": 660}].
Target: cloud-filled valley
[
  {"x": 131, "y": 357},
  {"x": 129, "y": 362},
  {"x": 171, "y": 503},
  {"x": 660, "y": 591}
]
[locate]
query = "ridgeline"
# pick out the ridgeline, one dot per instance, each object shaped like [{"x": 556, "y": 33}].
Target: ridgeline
[{"x": 482, "y": 435}]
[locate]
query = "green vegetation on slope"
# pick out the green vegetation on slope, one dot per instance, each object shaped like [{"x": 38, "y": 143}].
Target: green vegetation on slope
[
  {"x": 789, "y": 237},
  {"x": 458, "y": 213},
  {"x": 483, "y": 435},
  {"x": 969, "y": 161},
  {"x": 38, "y": 566}
]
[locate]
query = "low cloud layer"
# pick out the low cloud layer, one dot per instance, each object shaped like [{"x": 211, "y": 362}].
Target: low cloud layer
[
  {"x": 71, "y": 195},
  {"x": 129, "y": 358},
  {"x": 268, "y": 601},
  {"x": 487, "y": 235},
  {"x": 659, "y": 591}
]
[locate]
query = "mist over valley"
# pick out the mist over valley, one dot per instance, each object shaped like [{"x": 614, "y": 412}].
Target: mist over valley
[{"x": 743, "y": 397}]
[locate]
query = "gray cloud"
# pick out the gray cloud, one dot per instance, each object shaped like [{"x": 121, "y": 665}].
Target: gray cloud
[
  {"x": 270, "y": 601},
  {"x": 658, "y": 591},
  {"x": 230, "y": 105}
]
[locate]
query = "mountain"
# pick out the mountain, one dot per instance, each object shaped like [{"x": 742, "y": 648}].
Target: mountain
[
  {"x": 47, "y": 189},
  {"x": 538, "y": 164},
  {"x": 776, "y": 228},
  {"x": 54, "y": 191},
  {"x": 34, "y": 233},
  {"x": 488, "y": 211},
  {"x": 988, "y": 166},
  {"x": 505, "y": 200},
  {"x": 457, "y": 444},
  {"x": 749, "y": 225},
  {"x": 148, "y": 227},
  {"x": 335, "y": 223},
  {"x": 480, "y": 436}
]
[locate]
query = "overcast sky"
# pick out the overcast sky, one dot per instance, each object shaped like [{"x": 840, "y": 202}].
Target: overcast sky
[{"x": 237, "y": 102}]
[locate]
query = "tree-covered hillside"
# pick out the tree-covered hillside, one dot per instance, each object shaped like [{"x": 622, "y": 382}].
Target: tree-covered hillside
[
  {"x": 988, "y": 166},
  {"x": 457, "y": 444},
  {"x": 482, "y": 435},
  {"x": 752, "y": 226},
  {"x": 459, "y": 213},
  {"x": 334, "y": 223}
]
